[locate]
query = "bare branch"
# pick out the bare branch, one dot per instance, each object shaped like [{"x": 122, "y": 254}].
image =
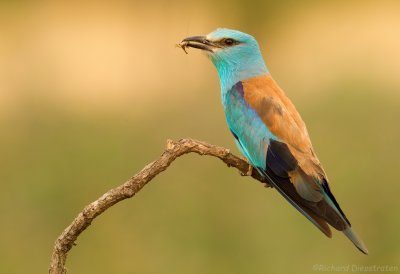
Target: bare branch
[{"x": 127, "y": 190}]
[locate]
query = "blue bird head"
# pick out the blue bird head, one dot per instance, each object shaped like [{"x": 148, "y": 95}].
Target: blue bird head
[{"x": 236, "y": 55}]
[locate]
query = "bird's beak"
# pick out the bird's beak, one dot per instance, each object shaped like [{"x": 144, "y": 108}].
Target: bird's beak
[{"x": 198, "y": 42}]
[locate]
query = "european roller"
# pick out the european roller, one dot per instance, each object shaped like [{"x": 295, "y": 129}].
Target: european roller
[{"x": 268, "y": 129}]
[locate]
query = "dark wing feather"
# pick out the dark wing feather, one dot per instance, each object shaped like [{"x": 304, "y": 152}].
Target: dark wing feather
[{"x": 280, "y": 162}]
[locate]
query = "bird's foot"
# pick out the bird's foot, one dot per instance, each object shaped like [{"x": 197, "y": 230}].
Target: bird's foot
[
  {"x": 249, "y": 171},
  {"x": 267, "y": 185}
]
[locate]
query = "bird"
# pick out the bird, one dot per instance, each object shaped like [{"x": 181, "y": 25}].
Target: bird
[{"x": 268, "y": 129}]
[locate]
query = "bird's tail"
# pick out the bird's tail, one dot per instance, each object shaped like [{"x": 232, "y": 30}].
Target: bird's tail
[
  {"x": 321, "y": 213},
  {"x": 347, "y": 229},
  {"x": 355, "y": 239}
]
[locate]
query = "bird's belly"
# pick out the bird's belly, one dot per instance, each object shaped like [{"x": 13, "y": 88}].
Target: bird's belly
[{"x": 252, "y": 135}]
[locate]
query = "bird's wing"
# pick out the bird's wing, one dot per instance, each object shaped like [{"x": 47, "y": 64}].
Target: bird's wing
[
  {"x": 279, "y": 115},
  {"x": 274, "y": 138}
]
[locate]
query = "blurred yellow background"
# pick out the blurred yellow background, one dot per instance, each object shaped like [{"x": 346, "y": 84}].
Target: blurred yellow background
[{"x": 90, "y": 91}]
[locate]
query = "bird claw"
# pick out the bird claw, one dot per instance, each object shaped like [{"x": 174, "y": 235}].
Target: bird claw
[
  {"x": 249, "y": 171},
  {"x": 267, "y": 185}
]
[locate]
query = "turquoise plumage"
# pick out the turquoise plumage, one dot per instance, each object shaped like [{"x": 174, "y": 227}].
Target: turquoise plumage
[{"x": 268, "y": 129}]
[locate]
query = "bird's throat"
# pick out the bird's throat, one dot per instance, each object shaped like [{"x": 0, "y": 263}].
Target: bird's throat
[{"x": 230, "y": 74}]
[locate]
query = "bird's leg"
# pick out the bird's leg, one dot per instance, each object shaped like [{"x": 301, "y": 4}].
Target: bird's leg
[{"x": 249, "y": 170}]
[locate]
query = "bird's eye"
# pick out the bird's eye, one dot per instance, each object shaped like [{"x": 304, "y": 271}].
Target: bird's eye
[{"x": 229, "y": 42}]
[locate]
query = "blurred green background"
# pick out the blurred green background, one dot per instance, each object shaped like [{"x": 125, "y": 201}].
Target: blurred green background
[{"x": 90, "y": 91}]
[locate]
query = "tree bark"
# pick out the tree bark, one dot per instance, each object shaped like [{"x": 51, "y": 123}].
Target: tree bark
[{"x": 128, "y": 189}]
